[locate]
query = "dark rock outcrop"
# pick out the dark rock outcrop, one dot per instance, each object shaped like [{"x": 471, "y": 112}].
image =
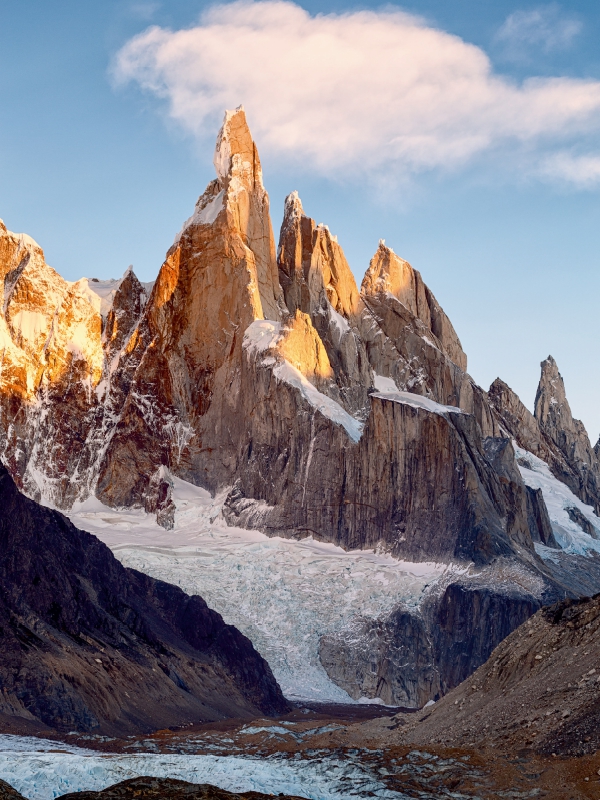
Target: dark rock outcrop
[
  {"x": 576, "y": 515},
  {"x": 409, "y": 658},
  {"x": 539, "y": 521},
  {"x": 86, "y": 644},
  {"x": 166, "y": 789},
  {"x": 8, "y": 793}
]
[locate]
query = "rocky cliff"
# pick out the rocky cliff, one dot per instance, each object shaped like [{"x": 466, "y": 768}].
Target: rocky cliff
[
  {"x": 331, "y": 411},
  {"x": 88, "y": 645},
  {"x": 551, "y": 433}
]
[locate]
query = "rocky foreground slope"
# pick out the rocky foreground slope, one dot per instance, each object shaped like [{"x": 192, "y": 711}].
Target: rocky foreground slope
[
  {"x": 317, "y": 408},
  {"x": 88, "y": 645},
  {"x": 540, "y": 689}
]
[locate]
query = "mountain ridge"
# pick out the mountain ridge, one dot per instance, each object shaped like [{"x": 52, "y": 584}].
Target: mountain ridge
[{"x": 317, "y": 409}]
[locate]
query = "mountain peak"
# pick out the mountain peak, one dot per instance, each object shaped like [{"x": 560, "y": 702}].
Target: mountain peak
[
  {"x": 293, "y": 206},
  {"x": 236, "y": 155},
  {"x": 551, "y": 398}
]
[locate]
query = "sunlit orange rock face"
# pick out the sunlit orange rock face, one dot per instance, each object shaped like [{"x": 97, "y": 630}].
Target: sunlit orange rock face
[
  {"x": 52, "y": 366},
  {"x": 267, "y": 373}
]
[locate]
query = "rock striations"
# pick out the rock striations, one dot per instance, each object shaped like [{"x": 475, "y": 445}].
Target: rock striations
[
  {"x": 316, "y": 408},
  {"x": 88, "y": 645}
]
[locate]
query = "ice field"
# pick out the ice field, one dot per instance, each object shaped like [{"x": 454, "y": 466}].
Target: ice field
[
  {"x": 283, "y": 594},
  {"x": 42, "y": 770}
]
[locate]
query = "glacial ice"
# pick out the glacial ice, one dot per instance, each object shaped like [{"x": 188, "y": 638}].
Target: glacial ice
[
  {"x": 41, "y": 770},
  {"x": 283, "y": 594},
  {"x": 558, "y": 497}
]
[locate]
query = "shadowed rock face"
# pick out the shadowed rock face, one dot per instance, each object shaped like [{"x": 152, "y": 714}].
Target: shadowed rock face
[
  {"x": 86, "y": 644},
  {"x": 552, "y": 434},
  {"x": 408, "y": 659},
  {"x": 417, "y": 481},
  {"x": 539, "y": 521}
]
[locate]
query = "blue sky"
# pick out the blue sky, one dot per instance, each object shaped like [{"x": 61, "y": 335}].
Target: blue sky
[{"x": 486, "y": 181}]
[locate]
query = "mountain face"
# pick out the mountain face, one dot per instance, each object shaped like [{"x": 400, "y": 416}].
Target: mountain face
[
  {"x": 551, "y": 433},
  {"x": 328, "y": 410},
  {"x": 64, "y": 372},
  {"x": 86, "y": 644},
  {"x": 316, "y": 407}
]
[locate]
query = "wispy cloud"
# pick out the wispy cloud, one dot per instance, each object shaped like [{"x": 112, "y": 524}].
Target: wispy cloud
[
  {"x": 546, "y": 28},
  {"x": 579, "y": 170},
  {"x": 144, "y": 9},
  {"x": 353, "y": 92}
]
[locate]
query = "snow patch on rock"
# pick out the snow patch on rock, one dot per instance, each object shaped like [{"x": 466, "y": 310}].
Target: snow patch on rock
[
  {"x": 558, "y": 497},
  {"x": 205, "y": 213},
  {"x": 100, "y": 294},
  {"x": 390, "y": 392},
  {"x": 329, "y": 408},
  {"x": 260, "y": 338},
  {"x": 261, "y": 335}
]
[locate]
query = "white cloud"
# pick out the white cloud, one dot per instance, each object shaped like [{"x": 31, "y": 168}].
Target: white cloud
[
  {"x": 580, "y": 170},
  {"x": 544, "y": 27},
  {"x": 352, "y": 92}
]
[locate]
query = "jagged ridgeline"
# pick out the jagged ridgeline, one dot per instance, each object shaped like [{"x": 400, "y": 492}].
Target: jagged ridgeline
[
  {"x": 318, "y": 408},
  {"x": 342, "y": 413},
  {"x": 273, "y": 375}
]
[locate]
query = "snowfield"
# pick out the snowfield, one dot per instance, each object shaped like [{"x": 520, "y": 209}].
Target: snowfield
[
  {"x": 283, "y": 594},
  {"x": 42, "y": 770},
  {"x": 558, "y": 497}
]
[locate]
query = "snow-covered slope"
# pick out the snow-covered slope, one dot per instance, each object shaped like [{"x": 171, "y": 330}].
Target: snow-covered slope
[
  {"x": 283, "y": 594},
  {"x": 558, "y": 498}
]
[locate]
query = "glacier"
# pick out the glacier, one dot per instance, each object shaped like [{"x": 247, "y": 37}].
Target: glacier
[
  {"x": 42, "y": 769},
  {"x": 283, "y": 594}
]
